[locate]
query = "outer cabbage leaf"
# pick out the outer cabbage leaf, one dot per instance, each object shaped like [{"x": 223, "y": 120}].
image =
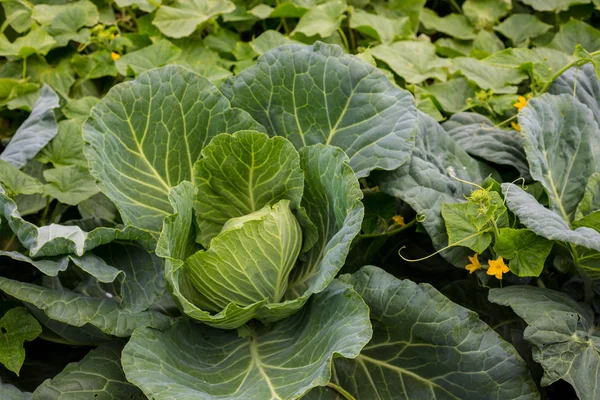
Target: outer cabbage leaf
[
  {"x": 565, "y": 341},
  {"x": 54, "y": 239},
  {"x": 426, "y": 347},
  {"x": 98, "y": 375},
  {"x": 583, "y": 84},
  {"x": 562, "y": 144},
  {"x": 319, "y": 94},
  {"x": 193, "y": 361},
  {"x": 425, "y": 182},
  {"x": 241, "y": 173},
  {"x": 145, "y": 136},
  {"x": 331, "y": 201},
  {"x": 13, "y": 393}
]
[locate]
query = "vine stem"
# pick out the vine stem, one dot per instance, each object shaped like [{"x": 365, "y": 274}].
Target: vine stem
[
  {"x": 344, "y": 39},
  {"x": 389, "y": 233},
  {"x": 561, "y": 71},
  {"x": 341, "y": 391}
]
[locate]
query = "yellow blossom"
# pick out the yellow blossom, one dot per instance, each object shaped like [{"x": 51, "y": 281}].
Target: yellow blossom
[
  {"x": 114, "y": 56},
  {"x": 399, "y": 220},
  {"x": 515, "y": 126},
  {"x": 497, "y": 268},
  {"x": 475, "y": 264},
  {"x": 521, "y": 103}
]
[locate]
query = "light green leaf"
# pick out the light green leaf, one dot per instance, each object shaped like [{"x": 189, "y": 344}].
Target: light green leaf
[
  {"x": 63, "y": 21},
  {"x": 561, "y": 141},
  {"x": 427, "y": 106},
  {"x": 37, "y": 41},
  {"x": 547, "y": 223},
  {"x": 183, "y": 17},
  {"x": 384, "y": 29},
  {"x": 486, "y": 43},
  {"x": 461, "y": 230},
  {"x": 526, "y": 251},
  {"x": 425, "y": 182},
  {"x": 488, "y": 76},
  {"x": 410, "y": 8},
  {"x": 451, "y": 95},
  {"x": 95, "y": 65},
  {"x": 78, "y": 310},
  {"x": 242, "y": 173},
  {"x": 16, "y": 327},
  {"x": 18, "y": 14},
  {"x": 480, "y": 137},
  {"x": 590, "y": 202},
  {"x": 98, "y": 375},
  {"x": 521, "y": 27},
  {"x": 249, "y": 261},
  {"x": 17, "y": 182},
  {"x": 415, "y": 61},
  {"x": 193, "y": 361},
  {"x": 320, "y": 99},
  {"x": 70, "y": 185},
  {"x": 486, "y": 13},
  {"x": 35, "y": 133},
  {"x": 562, "y": 333},
  {"x": 455, "y": 25},
  {"x": 136, "y": 129},
  {"x": 415, "y": 328},
  {"x": 54, "y": 239},
  {"x": 67, "y": 146},
  {"x": 79, "y": 108},
  {"x": 553, "y": 5},
  {"x": 573, "y": 33},
  {"x": 322, "y": 20},
  {"x": 156, "y": 55},
  {"x": 269, "y": 40},
  {"x": 144, "y": 5}
]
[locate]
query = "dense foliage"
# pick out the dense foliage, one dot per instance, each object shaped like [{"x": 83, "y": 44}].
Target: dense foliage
[{"x": 317, "y": 199}]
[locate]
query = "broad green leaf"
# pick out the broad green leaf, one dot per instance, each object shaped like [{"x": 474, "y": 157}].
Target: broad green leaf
[
  {"x": 455, "y": 25},
  {"x": 79, "y": 108},
  {"x": 553, "y": 5},
  {"x": 292, "y": 9},
  {"x": 415, "y": 61},
  {"x": 586, "y": 82},
  {"x": 479, "y": 136},
  {"x": 242, "y": 173},
  {"x": 16, "y": 182},
  {"x": 268, "y": 40},
  {"x": 488, "y": 76},
  {"x": 573, "y": 33},
  {"x": 63, "y": 21},
  {"x": 18, "y": 14},
  {"x": 486, "y": 13},
  {"x": 321, "y": 99},
  {"x": 13, "y": 393},
  {"x": 521, "y": 27},
  {"x": 67, "y": 146},
  {"x": 156, "y": 55},
  {"x": 565, "y": 341},
  {"x": 410, "y": 8},
  {"x": 591, "y": 197},
  {"x": 78, "y": 310},
  {"x": 98, "y": 375},
  {"x": 426, "y": 347},
  {"x": 323, "y": 19},
  {"x": 144, "y": 5},
  {"x": 561, "y": 142},
  {"x": 426, "y": 181},
  {"x": 17, "y": 327},
  {"x": 37, "y": 41},
  {"x": 145, "y": 136},
  {"x": 249, "y": 261},
  {"x": 453, "y": 47},
  {"x": 23, "y": 96},
  {"x": 193, "y": 361},
  {"x": 485, "y": 44},
  {"x": 451, "y": 95},
  {"x": 59, "y": 77},
  {"x": 428, "y": 106},
  {"x": 526, "y": 251},
  {"x": 183, "y": 17},
  {"x": 547, "y": 223},
  {"x": 95, "y": 65},
  {"x": 384, "y": 29},
  {"x": 35, "y": 133},
  {"x": 54, "y": 239},
  {"x": 70, "y": 185},
  {"x": 461, "y": 230}
]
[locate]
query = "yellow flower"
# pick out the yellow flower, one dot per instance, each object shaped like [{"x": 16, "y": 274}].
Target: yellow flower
[
  {"x": 475, "y": 264},
  {"x": 515, "y": 126},
  {"x": 497, "y": 268},
  {"x": 114, "y": 56},
  {"x": 399, "y": 220},
  {"x": 521, "y": 103}
]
